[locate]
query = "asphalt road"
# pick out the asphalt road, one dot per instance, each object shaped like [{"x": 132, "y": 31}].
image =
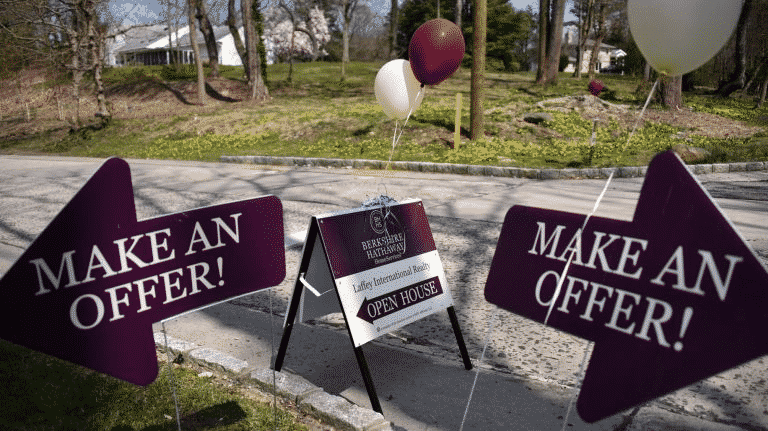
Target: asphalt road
[{"x": 465, "y": 215}]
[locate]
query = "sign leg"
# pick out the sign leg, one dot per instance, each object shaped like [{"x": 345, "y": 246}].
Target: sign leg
[
  {"x": 375, "y": 405},
  {"x": 459, "y": 338},
  {"x": 289, "y": 319}
]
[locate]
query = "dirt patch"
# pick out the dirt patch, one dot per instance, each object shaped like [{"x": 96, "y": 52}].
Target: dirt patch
[
  {"x": 696, "y": 123},
  {"x": 703, "y": 124}
]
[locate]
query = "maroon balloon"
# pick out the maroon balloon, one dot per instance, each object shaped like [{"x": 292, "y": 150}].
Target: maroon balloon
[{"x": 435, "y": 51}]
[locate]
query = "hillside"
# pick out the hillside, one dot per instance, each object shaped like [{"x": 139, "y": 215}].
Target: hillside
[{"x": 317, "y": 115}]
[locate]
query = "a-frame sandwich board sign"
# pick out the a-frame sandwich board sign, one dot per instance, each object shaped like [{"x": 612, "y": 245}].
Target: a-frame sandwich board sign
[{"x": 382, "y": 263}]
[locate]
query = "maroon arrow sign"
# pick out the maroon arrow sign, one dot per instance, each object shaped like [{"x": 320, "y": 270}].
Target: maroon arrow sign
[
  {"x": 90, "y": 286},
  {"x": 673, "y": 297}
]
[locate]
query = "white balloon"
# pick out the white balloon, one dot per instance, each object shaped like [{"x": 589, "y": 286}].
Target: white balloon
[
  {"x": 397, "y": 89},
  {"x": 678, "y": 36}
]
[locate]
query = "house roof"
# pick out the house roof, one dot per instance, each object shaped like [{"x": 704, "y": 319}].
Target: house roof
[
  {"x": 218, "y": 32},
  {"x": 591, "y": 42},
  {"x": 140, "y": 39},
  {"x": 137, "y": 39}
]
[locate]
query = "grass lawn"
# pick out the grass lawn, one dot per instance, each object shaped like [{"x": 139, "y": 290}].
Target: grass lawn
[
  {"x": 319, "y": 115},
  {"x": 41, "y": 392}
]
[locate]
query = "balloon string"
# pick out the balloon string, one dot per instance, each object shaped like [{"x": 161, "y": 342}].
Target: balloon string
[
  {"x": 396, "y": 137},
  {"x": 582, "y": 368},
  {"x": 637, "y": 121},
  {"x": 599, "y": 199},
  {"x": 488, "y": 333},
  {"x": 170, "y": 377},
  {"x": 583, "y": 228}
]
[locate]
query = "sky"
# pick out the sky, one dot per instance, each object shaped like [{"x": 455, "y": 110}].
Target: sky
[
  {"x": 149, "y": 10},
  {"x": 131, "y": 13}
]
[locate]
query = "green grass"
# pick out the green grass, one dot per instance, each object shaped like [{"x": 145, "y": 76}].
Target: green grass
[
  {"x": 319, "y": 115},
  {"x": 41, "y": 392}
]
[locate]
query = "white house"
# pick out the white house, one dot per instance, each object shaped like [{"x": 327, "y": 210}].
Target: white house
[
  {"x": 607, "y": 57},
  {"x": 150, "y": 46}
]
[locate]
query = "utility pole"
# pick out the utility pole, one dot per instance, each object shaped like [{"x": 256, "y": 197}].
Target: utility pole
[{"x": 478, "y": 70}]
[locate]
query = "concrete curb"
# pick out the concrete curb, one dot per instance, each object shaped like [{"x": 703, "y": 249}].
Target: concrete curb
[
  {"x": 311, "y": 399},
  {"x": 495, "y": 171}
]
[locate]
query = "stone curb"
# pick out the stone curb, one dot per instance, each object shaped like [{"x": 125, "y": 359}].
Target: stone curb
[
  {"x": 495, "y": 171},
  {"x": 311, "y": 399}
]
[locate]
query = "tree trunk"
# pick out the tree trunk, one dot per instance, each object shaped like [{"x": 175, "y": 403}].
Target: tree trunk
[
  {"x": 762, "y": 94},
  {"x": 672, "y": 91},
  {"x": 172, "y": 53},
  {"x": 459, "y": 8},
  {"x": 73, "y": 32},
  {"x": 250, "y": 43},
  {"x": 756, "y": 75},
  {"x": 23, "y": 100},
  {"x": 258, "y": 22},
  {"x": 196, "y": 51},
  {"x": 478, "y": 70},
  {"x": 96, "y": 41},
  {"x": 77, "y": 78},
  {"x": 233, "y": 30},
  {"x": 345, "y": 38},
  {"x": 210, "y": 39},
  {"x": 543, "y": 26},
  {"x": 739, "y": 76},
  {"x": 290, "y": 55},
  {"x": 647, "y": 72},
  {"x": 593, "y": 58},
  {"x": 555, "y": 41},
  {"x": 598, "y": 40},
  {"x": 584, "y": 28},
  {"x": 96, "y": 50},
  {"x": 393, "y": 15},
  {"x": 255, "y": 81},
  {"x": 296, "y": 28}
]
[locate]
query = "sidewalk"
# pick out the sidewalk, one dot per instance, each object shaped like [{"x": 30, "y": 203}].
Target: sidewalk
[{"x": 417, "y": 391}]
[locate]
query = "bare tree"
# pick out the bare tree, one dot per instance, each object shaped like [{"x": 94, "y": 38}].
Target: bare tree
[
  {"x": 73, "y": 27},
  {"x": 172, "y": 14},
  {"x": 553, "y": 40},
  {"x": 584, "y": 10},
  {"x": 206, "y": 28},
  {"x": 738, "y": 77},
  {"x": 393, "y": 13},
  {"x": 235, "y": 32},
  {"x": 368, "y": 35},
  {"x": 78, "y": 20},
  {"x": 544, "y": 6},
  {"x": 96, "y": 35},
  {"x": 347, "y": 9},
  {"x": 600, "y": 33}
]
